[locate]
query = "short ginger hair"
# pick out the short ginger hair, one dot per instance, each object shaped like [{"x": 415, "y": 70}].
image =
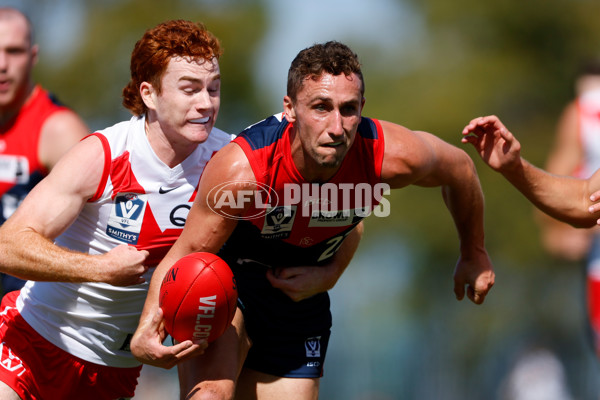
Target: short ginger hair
[{"x": 152, "y": 53}]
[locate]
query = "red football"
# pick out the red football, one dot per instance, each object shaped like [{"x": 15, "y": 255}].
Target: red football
[{"x": 198, "y": 297}]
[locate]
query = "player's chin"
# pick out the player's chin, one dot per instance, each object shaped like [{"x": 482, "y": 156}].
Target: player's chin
[
  {"x": 331, "y": 162},
  {"x": 6, "y": 98},
  {"x": 331, "y": 156},
  {"x": 199, "y": 133}
]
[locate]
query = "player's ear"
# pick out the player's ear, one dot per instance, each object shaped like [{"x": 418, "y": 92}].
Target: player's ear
[
  {"x": 288, "y": 109},
  {"x": 147, "y": 93},
  {"x": 35, "y": 49}
]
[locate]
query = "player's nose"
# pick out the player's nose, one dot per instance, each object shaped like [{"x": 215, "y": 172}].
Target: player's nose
[{"x": 336, "y": 128}]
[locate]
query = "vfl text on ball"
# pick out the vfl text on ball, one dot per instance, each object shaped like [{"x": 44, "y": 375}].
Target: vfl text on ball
[{"x": 206, "y": 311}]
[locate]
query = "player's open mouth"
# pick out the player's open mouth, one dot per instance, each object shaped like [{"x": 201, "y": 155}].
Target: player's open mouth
[
  {"x": 200, "y": 120},
  {"x": 335, "y": 144}
]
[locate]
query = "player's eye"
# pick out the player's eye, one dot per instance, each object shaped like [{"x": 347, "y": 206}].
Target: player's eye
[{"x": 349, "y": 110}]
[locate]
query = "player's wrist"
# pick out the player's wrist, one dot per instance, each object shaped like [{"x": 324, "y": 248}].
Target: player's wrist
[
  {"x": 515, "y": 169},
  {"x": 472, "y": 249}
]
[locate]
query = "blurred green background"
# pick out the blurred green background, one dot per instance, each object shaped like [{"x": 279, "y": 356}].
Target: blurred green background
[{"x": 430, "y": 65}]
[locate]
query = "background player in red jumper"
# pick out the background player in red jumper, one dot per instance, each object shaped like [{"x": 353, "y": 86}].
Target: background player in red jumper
[
  {"x": 320, "y": 142},
  {"x": 35, "y": 130}
]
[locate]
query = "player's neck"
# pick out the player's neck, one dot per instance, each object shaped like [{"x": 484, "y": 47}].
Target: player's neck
[
  {"x": 11, "y": 110},
  {"x": 170, "y": 151},
  {"x": 311, "y": 170}
]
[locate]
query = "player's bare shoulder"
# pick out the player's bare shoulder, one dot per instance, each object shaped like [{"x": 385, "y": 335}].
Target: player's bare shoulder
[
  {"x": 59, "y": 133},
  {"x": 407, "y": 154},
  {"x": 229, "y": 163},
  {"x": 227, "y": 182}
]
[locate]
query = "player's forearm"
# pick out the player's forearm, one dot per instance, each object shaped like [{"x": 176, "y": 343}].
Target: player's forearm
[
  {"x": 464, "y": 199},
  {"x": 28, "y": 255},
  {"x": 152, "y": 297},
  {"x": 467, "y": 210},
  {"x": 561, "y": 197}
]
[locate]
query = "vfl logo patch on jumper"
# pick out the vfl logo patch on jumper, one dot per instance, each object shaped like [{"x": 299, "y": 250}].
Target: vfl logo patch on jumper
[
  {"x": 126, "y": 216},
  {"x": 14, "y": 169},
  {"x": 313, "y": 346},
  {"x": 278, "y": 222}
]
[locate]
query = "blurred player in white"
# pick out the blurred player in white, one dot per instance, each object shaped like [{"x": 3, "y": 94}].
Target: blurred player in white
[{"x": 577, "y": 153}]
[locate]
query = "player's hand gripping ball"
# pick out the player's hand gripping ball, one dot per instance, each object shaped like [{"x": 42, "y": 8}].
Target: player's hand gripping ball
[{"x": 198, "y": 297}]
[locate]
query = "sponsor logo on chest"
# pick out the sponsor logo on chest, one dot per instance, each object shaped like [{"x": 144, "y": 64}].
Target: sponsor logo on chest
[{"x": 129, "y": 210}]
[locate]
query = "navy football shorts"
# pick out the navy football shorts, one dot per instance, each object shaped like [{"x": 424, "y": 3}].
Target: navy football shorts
[{"x": 289, "y": 339}]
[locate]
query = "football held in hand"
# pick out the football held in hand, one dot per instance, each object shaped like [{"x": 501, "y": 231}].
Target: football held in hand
[{"x": 198, "y": 297}]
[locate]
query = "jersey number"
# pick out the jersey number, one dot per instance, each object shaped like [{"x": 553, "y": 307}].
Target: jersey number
[{"x": 333, "y": 245}]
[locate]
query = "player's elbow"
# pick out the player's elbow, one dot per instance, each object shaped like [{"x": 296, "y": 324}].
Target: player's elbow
[
  {"x": 466, "y": 163},
  {"x": 464, "y": 170}
]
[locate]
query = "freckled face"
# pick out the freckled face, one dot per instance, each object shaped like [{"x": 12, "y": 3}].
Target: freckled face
[
  {"x": 189, "y": 101},
  {"x": 325, "y": 115}
]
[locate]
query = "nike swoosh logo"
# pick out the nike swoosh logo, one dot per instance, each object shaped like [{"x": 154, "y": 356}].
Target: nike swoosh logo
[{"x": 163, "y": 191}]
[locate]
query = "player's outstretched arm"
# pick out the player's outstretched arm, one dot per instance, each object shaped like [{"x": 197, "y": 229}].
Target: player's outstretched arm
[
  {"x": 26, "y": 238},
  {"x": 420, "y": 158},
  {"x": 564, "y": 198}
]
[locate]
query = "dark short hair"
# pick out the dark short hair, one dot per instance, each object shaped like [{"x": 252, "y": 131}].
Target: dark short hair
[
  {"x": 152, "y": 53},
  {"x": 331, "y": 57}
]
